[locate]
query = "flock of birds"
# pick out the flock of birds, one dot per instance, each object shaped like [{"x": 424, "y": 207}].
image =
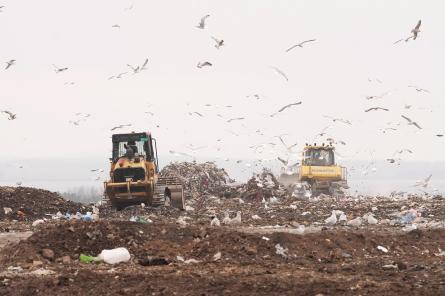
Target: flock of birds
[{"x": 219, "y": 44}]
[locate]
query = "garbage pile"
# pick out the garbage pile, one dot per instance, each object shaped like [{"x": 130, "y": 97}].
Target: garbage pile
[
  {"x": 198, "y": 179},
  {"x": 262, "y": 186},
  {"x": 28, "y": 204}
]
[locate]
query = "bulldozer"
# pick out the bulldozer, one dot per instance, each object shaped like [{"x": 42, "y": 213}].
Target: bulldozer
[
  {"x": 317, "y": 173},
  {"x": 134, "y": 174}
]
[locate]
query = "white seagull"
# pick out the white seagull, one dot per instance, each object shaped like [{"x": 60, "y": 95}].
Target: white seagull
[
  {"x": 279, "y": 72},
  {"x": 299, "y": 44},
  {"x": 9, "y": 64},
  {"x": 204, "y": 64},
  {"x": 202, "y": 23},
  {"x": 285, "y": 107},
  {"x": 219, "y": 42},
  {"x": 410, "y": 122}
]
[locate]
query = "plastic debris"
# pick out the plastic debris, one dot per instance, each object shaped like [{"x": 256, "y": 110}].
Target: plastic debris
[
  {"x": 279, "y": 250},
  {"x": 37, "y": 222},
  {"x": 383, "y": 249},
  {"x": 114, "y": 256},
  {"x": 355, "y": 222},
  {"x": 217, "y": 256}
]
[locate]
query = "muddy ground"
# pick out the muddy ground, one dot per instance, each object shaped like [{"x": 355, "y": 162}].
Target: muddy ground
[
  {"x": 282, "y": 245},
  {"x": 328, "y": 260}
]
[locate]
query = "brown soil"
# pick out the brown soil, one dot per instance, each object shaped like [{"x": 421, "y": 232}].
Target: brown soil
[{"x": 328, "y": 262}]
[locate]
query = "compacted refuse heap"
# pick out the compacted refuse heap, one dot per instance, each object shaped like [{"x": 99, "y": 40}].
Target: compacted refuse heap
[
  {"x": 198, "y": 179},
  {"x": 263, "y": 185},
  {"x": 28, "y": 204}
]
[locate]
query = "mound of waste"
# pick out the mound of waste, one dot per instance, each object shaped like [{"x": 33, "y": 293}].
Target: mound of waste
[
  {"x": 198, "y": 179},
  {"x": 28, "y": 204},
  {"x": 263, "y": 185}
]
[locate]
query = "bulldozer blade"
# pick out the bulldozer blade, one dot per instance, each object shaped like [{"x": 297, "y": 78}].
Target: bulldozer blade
[
  {"x": 288, "y": 180},
  {"x": 177, "y": 198}
]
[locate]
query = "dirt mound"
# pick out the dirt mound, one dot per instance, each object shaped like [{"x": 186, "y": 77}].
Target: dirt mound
[
  {"x": 28, "y": 204},
  {"x": 168, "y": 241},
  {"x": 199, "y": 179},
  {"x": 142, "y": 240}
]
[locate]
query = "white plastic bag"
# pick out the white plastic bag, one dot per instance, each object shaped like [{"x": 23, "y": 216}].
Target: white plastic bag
[{"x": 114, "y": 256}]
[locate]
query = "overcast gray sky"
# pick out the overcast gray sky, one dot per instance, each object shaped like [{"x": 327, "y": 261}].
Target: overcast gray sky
[{"x": 330, "y": 76}]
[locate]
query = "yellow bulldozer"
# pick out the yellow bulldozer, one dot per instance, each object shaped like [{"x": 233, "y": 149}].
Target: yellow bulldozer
[
  {"x": 134, "y": 174},
  {"x": 317, "y": 173}
]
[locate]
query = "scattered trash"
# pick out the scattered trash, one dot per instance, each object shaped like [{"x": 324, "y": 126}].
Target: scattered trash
[
  {"x": 140, "y": 219},
  {"x": 371, "y": 219},
  {"x": 355, "y": 222},
  {"x": 410, "y": 216},
  {"x": 280, "y": 250},
  {"x": 37, "y": 222},
  {"x": 88, "y": 259},
  {"x": 42, "y": 272},
  {"x": 409, "y": 228},
  {"x": 191, "y": 261},
  {"x": 151, "y": 261},
  {"x": 114, "y": 256},
  {"x": 390, "y": 266},
  {"x": 383, "y": 249},
  {"x": 343, "y": 218},
  {"x": 217, "y": 256}
]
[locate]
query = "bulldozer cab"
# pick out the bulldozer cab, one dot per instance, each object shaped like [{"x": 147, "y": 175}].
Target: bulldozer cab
[
  {"x": 318, "y": 156},
  {"x": 142, "y": 144}
]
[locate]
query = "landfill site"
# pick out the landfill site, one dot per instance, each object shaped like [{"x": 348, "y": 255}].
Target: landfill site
[
  {"x": 231, "y": 147},
  {"x": 244, "y": 239}
]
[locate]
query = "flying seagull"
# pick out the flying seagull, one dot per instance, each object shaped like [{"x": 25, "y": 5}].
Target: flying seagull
[
  {"x": 197, "y": 113},
  {"x": 219, "y": 42},
  {"x": 11, "y": 115},
  {"x": 379, "y": 96},
  {"x": 279, "y": 72},
  {"x": 120, "y": 126},
  {"x": 285, "y": 107},
  {"x": 58, "y": 70},
  {"x": 119, "y": 76},
  {"x": 9, "y": 64},
  {"x": 299, "y": 44},
  {"x": 345, "y": 121},
  {"x": 424, "y": 183},
  {"x": 234, "y": 119},
  {"x": 376, "y": 109},
  {"x": 138, "y": 68},
  {"x": 134, "y": 69},
  {"x": 410, "y": 122},
  {"x": 419, "y": 89},
  {"x": 204, "y": 64},
  {"x": 202, "y": 23},
  {"x": 144, "y": 65},
  {"x": 416, "y": 30}
]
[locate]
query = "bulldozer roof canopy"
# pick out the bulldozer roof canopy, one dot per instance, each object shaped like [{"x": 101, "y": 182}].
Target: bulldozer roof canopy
[
  {"x": 326, "y": 147},
  {"x": 117, "y": 138}
]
